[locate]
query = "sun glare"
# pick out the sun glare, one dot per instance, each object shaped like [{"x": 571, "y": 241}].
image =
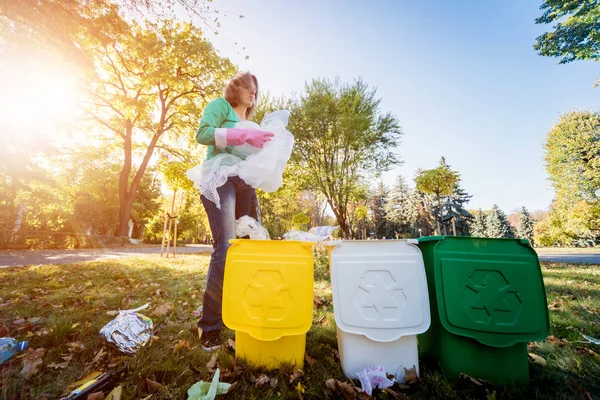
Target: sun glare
[{"x": 37, "y": 102}]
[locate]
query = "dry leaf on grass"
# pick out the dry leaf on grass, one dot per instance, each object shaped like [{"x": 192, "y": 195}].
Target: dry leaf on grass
[
  {"x": 309, "y": 360},
  {"x": 112, "y": 313},
  {"x": 474, "y": 380},
  {"x": 98, "y": 355},
  {"x": 163, "y": 309},
  {"x": 76, "y": 347},
  {"x": 296, "y": 374},
  {"x": 347, "y": 390},
  {"x": 556, "y": 341},
  {"x": 231, "y": 344},
  {"x": 32, "y": 362},
  {"x": 115, "y": 394},
  {"x": 3, "y": 331},
  {"x": 317, "y": 300},
  {"x": 154, "y": 387},
  {"x": 263, "y": 379},
  {"x": 85, "y": 379},
  {"x": 394, "y": 394},
  {"x": 410, "y": 376},
  {"x": 538, "y": 360},
  {"x": 96, "y": 396},
  {"x": 180, "y": 345},
  {"x": 212, "y": 364}
]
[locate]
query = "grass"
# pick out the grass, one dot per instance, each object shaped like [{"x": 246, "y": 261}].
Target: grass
[{"x": 62, "y": 308}]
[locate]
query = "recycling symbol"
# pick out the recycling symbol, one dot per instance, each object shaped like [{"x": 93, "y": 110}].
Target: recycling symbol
[
  {"x": 267, "y": 297},
  {"x": 489, "y": 299},
  {"x": 379, "y": 297}
]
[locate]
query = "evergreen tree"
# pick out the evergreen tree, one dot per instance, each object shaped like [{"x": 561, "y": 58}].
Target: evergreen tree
[
  {"x": 525, "y": 226},
  {"x": 378, "y": 210},
  {"x": 479, "y": 224},
  {"x": 497, "y": 224},
  {"x": 400, "y": 208}
]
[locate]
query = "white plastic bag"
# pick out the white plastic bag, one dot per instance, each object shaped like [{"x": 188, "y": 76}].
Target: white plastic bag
[
  {"x": 259, "y": 168},
  {"x": 372, "y": 378},
  {"x": 316, "y": 234},
  {"x": 248, "y": 226}
]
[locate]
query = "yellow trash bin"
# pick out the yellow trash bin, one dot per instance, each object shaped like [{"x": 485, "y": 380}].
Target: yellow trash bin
[{"x": 268, "y": 299}]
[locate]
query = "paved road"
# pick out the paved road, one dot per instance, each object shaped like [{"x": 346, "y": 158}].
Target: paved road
[
  {"x": 41, "y": 257},
  {"x": 582, "y": 258}
]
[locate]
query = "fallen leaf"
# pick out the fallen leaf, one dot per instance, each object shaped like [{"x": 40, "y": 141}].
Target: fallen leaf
[
  {"x": 75, "y": 325},
  {"x": 96, "y": 396},
  {"x": 556, "y": 341},
  {"x": 32, "y": 362},
  {"x": 474, "y": 380},
  {"x": 273, "y": 382},
  {"x": 154, "y": 387},
  {"x": 296, "y": 374},
  {"x": 85, "y": 379},
  {"x": 29, "y": 334},
  {"x": 35, "y": 320},
  {"x": 538, "y": 360},
  {"x": 410, "y": 376},
  {"x": 76, "y": 347},
  {"x": 20, "y": 321},
  {"x": 180, "y": 345},
  {"x": 66, "y": 360},
  {"x": 262, "y": 380},
  {"x": 317, "y": 300},
  {"x": 233, "y": 387},
  {"x": 394, "y": 394},
  {"x": 300, "y": 391},
  {"x": 98, "y": 355},
  {"x": 112, "y": 313},
  {"x": 115, "y": 394},
  {"x": 212, "y": 364},
  {"x": 163, "y": 309},
  {"x": 231, "y": 344},
  {"x": 309, "y": 360},
  {"x": 3, "y": 331}
]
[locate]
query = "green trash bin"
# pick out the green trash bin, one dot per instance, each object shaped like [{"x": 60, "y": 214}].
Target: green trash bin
[{"x": 487, "y": 300}]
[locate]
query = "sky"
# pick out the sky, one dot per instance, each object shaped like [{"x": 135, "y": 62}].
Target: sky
[{"x": 461, "y": 76}]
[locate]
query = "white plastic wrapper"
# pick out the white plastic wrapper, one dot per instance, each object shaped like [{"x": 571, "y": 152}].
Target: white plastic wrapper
[
  {"x": 129, "y": 331},
  {"x": 248, "y": 226},
  {"x": 316, "y": 234},
  {"x": 259, "y": 168},
  {"x": 374, "y": 378}
]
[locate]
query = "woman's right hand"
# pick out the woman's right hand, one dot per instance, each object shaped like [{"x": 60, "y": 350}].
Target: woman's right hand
[{"x": 254, "y": 137}]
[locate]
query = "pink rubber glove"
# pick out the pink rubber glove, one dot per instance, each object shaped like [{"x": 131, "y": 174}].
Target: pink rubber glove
[{"x": 254, "y": 137}]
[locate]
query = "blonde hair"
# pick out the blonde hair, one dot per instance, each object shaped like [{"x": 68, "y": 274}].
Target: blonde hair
[{"x": 232, "y": 91}]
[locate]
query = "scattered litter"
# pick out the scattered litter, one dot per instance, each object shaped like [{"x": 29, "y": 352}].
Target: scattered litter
[
  {"x": 591, "y": 339},
  {"x": 372, "y": 378},
  {"x": 129, "y": 331},
  {"x": 248, "y": 226},
  {"x": 208, "y": 390},
  {"x": 316, "y": 234}
]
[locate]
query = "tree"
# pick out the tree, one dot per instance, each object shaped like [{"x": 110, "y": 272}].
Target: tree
[
  {"x": 153, "y": 84},
  {"x": 342, "y": 138},
  {"x": 525, "y": 226},
  {"x": 576, "y": 33},
  {"x": 572, "y": 147},
  {"x": 378, "y": 203},
  {"x": 400, "y": 208},
  {"x": 438, "y": 182},
  {"x": 479, "y": 225},
  {"x": 454, "y": 205},
  {"x": 497, "y": 224}
]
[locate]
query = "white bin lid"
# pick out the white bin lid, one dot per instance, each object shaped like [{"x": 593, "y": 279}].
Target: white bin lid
[{"x": 379, "y": 288}]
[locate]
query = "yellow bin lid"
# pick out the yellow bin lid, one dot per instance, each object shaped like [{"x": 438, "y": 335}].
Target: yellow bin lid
[{"x": 268, "y": 288}]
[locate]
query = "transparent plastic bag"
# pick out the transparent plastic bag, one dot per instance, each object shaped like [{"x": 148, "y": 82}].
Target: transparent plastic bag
[
  {"x": 316, "y": 234},
  {"x": 259, "y": 168},
  {"x": 248, "y": 226}
]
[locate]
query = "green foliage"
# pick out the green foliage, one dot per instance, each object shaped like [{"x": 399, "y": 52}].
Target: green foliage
[
  {"x": 576, "y": 34},
  {"x": 479, "y": 225},
  {"x": 341, "y": 138},
  {"x": 401, "y": 209},
  {"x": 572, "y": 147}
]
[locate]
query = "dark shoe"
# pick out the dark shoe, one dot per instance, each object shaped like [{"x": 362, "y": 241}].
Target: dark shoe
[{"x": 210, "y": 340}]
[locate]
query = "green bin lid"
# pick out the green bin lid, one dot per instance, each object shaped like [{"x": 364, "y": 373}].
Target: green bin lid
[{"x": 490, "y": 290}]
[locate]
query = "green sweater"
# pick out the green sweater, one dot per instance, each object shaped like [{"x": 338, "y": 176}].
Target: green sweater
[{"x": 217, "y": 114}]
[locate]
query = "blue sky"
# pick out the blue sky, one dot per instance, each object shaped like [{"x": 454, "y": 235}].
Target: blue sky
[{"x": 461, "y": 76}]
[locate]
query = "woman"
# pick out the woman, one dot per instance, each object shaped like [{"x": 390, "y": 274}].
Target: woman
[{"x": 236, "y": 198}]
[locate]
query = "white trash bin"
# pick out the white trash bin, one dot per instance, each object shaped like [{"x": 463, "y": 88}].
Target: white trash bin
[{"x": 381, "y": 304}]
